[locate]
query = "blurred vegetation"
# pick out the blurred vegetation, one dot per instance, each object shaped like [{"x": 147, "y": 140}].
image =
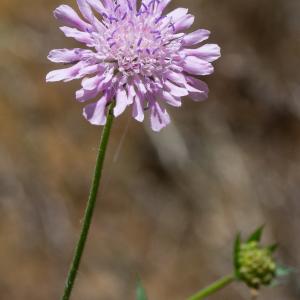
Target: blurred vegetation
[{"x": 171, "y": 203}]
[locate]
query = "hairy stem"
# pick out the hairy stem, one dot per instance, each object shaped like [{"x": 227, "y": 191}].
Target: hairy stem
[{"x": 90, "y": 206}]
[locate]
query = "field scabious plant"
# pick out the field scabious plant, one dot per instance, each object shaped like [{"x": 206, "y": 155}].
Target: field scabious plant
[{"x": 137, "y": 55}]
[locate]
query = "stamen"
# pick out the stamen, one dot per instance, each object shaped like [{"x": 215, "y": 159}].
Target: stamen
[
  {"x": 159, "y": 19},
  {"x": 173, "y": 26},
  {"x": 139, "y": 42},
  {"x": 129, "y": 5},
  {"x": 117, "y": 7},
  {"x": 145, "y": 6}
]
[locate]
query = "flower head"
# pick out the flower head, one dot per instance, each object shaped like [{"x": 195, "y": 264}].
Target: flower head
[
  {"x": 257, "y": 266},
  {"x": 136, "y": 55}
]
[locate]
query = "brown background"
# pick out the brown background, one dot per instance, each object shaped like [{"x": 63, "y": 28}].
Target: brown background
[{"x": 171, "y": 203}]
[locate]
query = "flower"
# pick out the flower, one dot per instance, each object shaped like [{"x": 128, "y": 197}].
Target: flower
[{"x": 137, "y": 55}]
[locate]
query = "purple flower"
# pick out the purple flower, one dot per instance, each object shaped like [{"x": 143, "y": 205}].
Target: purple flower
[{"x": 137, "y": 56}]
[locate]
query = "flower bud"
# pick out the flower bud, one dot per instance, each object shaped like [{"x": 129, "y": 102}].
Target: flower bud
[{"x": 256, "y": 265}]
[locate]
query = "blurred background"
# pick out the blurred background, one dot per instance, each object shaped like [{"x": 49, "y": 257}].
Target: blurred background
[{"x": 171, "y": 203}]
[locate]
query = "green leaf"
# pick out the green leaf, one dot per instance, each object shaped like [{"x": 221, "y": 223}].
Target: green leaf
[
  {"x": 140, "y": 291},
  {"x": 272, "y": 248},
  {"x": 236, "y": 251},
  {"x": 256, "y": 235}
]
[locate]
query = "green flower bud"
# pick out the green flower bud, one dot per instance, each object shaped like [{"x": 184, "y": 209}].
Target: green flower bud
[{"x": 256, "y": 265}]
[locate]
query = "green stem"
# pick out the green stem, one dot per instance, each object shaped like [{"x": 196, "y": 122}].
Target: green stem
[
  {"x": 211, "y": 289},
  {"x": 90, "y": 206}
]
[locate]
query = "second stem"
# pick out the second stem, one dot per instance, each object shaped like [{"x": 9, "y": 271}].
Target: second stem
[{"x": 211, "y": 289}]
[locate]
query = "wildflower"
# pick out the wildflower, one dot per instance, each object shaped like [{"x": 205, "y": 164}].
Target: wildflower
[{"x": 136, "y": 55}]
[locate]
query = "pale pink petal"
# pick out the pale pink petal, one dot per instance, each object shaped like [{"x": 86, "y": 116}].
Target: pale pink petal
[
  {"x": 175, "y": 90},
  {"x": 131, "y": 93},
  {"x": 85, "y": 95},
  {"x": 162, "y": 5},
  {"x": 69, "y": 17},
  {"x": 159, "y": 117},
  {"x": 196, "y": 37},
  {"x": 85, "y": 10},
  {"x": 87, "y": 70},
  {"x": 97, "y": 5},
  {"x": 121, "y": 102},
  {"x": 66, "y": 74},
  {"x": 95, "y": 113},
  {"x": 178, "y": 78},
  {"x": 176, "y": 14},
  {"x": 171, "y": 100},
  {"x": 184, "y": 23},
  {"x": 138, "y": 109},
  {"x": 198, "y": 89},
  {"x": 208, "y": 52},
  {"x": 68, "y": 55},
  {"x": 197, "y": 66},
  {"x": 92, "y": 83},
  {"x": 140, "y": 85},
  {"x": 80, "y": 36}
]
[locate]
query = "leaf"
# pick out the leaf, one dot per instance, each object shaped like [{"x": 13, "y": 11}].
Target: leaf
[
  {"x": 236, "y": 251},
  {"x": 140, "y": 291},
  {"x": 256, "y": 235}
]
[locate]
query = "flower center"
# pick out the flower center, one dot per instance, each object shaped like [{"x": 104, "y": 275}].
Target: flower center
[{"x": 137, "y": 45}]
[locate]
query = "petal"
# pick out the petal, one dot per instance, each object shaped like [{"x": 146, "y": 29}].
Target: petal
[
  {"x": 208, "y": 52},
  {"x": 87, "y": 69},
  {"x": 131, "y": 93},
  {"x": 138, "y": 110},
  {"x": 196, "y": 37},
  {"x": 68, "y": 16},
  {"x": 80, "y": 36},
  {"x": 162, "y": 5},
  {"x": 159, "y": 117},
  {"x": 197, "y": 88},
  {"x": 197, "y": 66},
  {"x": 121, "y": 102},
  {"x": 85, "y": 95},
  {"x": 97, "y": 5},
  {"x": 92, "y": 83},
  {"x": 178, "y": 78},
  {"x": 175, "y": 90},
  {"x": 77, "y": 71},
  {"x": 85, "y": 10},
  {"x": 66, "y": 74},
  {"x": 184, "y": 23},
  {"x": 177, "y": 14},
  {"x": 171, "y": 100},
  {"x": 68, "y": 55},
  {"x": 140, "y": 85},
  {"x": 95, "y": 113}
]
